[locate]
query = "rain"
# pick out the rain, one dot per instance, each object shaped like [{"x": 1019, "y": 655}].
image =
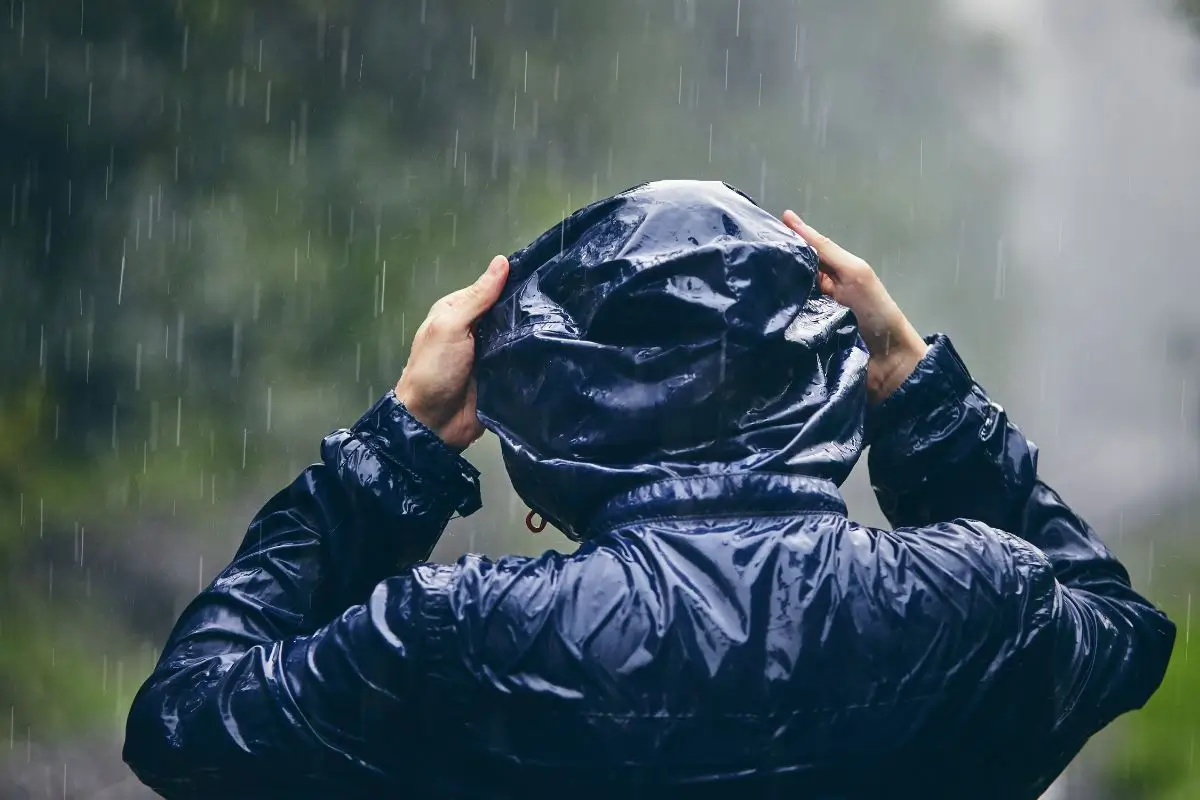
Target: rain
[{"x": 222, "y": 222}]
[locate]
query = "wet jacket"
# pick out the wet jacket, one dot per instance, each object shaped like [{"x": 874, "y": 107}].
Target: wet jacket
[{"x": 670, "y": 390}]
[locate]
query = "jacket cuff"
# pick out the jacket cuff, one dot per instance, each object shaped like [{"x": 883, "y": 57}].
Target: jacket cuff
[
  {"x": 403, "y": 443},
  {"x": 940, "y": 379}
]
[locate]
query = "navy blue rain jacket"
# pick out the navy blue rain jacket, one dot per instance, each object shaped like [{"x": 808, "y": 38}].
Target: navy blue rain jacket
[{"x": 671, "y": 390}]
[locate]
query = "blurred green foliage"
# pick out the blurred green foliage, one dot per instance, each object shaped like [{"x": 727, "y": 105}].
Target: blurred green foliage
[
  {"x": 220, "y": 223},
  {"x": 1156, "y": 757}
]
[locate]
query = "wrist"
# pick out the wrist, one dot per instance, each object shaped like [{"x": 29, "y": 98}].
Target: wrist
[
  {"x": 400, "y": 444},
  {"x": 413, "y": 406},
  {"x": 456, "y": 430},
  {"x": 888, "y": 372}
]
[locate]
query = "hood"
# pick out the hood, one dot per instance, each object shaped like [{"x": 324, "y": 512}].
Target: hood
[{"x": 670, "y": 331}]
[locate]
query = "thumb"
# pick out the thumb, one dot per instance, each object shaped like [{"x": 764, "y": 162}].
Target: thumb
[{"x": 470, "y": 303}]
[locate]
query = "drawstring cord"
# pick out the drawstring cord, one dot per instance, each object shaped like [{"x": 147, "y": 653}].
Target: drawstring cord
[{"x": 530, "y": 524}]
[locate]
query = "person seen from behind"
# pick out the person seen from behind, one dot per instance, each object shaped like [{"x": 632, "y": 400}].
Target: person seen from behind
[{"x": 680, "y": 382}]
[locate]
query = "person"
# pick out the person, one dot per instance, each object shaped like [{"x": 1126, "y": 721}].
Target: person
[{"x": 680, "y": 382}]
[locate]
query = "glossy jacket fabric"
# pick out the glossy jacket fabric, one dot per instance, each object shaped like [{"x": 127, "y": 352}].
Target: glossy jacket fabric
[
  {"x": 725, "y": 629},
  {"x": 671, "y": 331}
]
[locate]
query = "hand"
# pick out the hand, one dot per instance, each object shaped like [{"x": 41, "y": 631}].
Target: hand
[
  {"x": 437, "y": 386},
  {"x": 893, "y": 344}
]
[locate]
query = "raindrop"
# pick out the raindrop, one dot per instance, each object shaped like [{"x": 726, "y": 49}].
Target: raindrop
[
  {"x": 1187, "y": 628},
  {"x": 179, "y": 340},
  {"x": 345, "y": 54},
  {"x": 382, "y": 285},
  {"x": 1000, "y": 285}
]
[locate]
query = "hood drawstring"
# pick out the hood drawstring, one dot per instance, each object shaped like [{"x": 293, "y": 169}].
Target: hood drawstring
[{"x": 538, "y": 528}]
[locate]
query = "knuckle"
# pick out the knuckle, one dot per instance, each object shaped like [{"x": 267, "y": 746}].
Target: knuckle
[
  {"x": 436, "y": 326},
  {"x": 454, "y": 301}
]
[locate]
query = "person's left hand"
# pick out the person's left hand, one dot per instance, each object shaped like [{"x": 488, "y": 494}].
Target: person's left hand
[
  {"x": 893, "y": 344},
  {"x": 437, "y": 385}
]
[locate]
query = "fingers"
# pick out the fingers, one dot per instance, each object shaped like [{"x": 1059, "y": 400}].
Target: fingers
[
  {"x": 831, "y": 254},
  {"x": 462, "y": 308}
]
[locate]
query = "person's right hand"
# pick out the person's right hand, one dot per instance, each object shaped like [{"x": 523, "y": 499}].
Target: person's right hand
[
  {"x": 893, "y": 344},
  {"x": 437, "y": 386}
]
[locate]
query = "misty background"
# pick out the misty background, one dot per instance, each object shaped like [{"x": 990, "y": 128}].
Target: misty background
[{"x": 221, "y": 222}]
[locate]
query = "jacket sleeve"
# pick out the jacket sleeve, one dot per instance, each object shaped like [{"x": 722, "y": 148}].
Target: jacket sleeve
[
  {"x": 942, "y": 450},
  {"x": 261, "y": 679}
]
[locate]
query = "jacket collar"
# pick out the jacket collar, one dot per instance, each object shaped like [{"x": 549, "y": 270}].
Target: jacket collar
[{"x": 744, "y": 493}]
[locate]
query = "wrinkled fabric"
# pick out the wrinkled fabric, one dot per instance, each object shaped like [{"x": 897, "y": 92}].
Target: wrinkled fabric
[
  {"x": 670, "y": 331},
  {"x": 724, "y": 630}
]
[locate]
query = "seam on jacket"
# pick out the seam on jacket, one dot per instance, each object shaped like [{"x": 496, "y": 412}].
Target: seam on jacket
[
  {"x": 437, "y": 618},
  {"x": 743, "y": 474},
  {"x": 837, "y": 508},
  {"x": 785, "y": 516}
]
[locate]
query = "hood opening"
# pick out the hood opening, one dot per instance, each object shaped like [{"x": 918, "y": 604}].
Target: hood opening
[{"x": 671, "y": 330}]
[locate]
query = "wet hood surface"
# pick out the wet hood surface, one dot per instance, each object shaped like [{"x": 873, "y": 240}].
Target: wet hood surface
[{"x": 672, "y": 330}]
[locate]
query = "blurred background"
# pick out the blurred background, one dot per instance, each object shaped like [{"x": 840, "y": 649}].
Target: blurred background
[{"x": 222, "y": 220}]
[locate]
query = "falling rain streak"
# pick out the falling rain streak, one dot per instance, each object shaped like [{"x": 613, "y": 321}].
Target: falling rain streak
[{"x": 199, "y": 200}]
